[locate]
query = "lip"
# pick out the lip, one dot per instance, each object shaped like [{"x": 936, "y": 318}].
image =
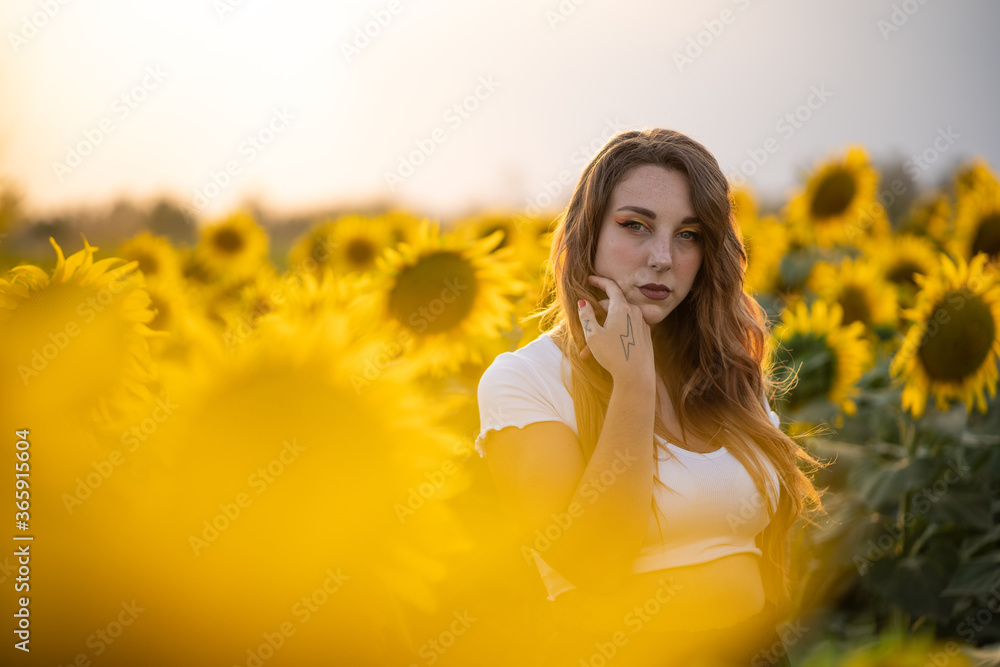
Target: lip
[{"x": 655, "y": 292}]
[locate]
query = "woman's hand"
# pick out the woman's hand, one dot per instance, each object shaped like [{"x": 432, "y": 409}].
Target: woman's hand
[{"x": 623, "y": 345}]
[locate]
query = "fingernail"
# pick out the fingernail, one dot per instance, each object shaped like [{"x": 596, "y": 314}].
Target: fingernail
[{"x": 581, "y": 303}]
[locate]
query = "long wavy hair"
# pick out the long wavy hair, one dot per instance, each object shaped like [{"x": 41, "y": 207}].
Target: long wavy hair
[{"x": 710, "y": 351}]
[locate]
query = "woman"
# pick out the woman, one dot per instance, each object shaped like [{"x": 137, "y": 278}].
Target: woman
[{"x": 633, "y": 438}]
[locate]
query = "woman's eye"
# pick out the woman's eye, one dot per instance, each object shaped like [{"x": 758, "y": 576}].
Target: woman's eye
[
  {"x": 628, "y": 225},
  {"x": 691, "y": 236}
]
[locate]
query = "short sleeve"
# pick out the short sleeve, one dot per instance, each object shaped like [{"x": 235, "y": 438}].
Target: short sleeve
[{"x": 511, "y": 393}]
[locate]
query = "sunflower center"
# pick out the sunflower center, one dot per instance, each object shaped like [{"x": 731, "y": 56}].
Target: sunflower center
[
  {"x": 959, "y": 338},
  {"x": 435, "y": 294},
  {"x": 147, "y": 264},
  {"x": 902, "y": 273},
  {"x": 988, "y": 236},
  {"x": 228, "y": 241},
  {"x": 360, "y": 252},
  {"x": 834, "y": 194},
  {"x": 816, "y": 365},
  {"x": 855, "y": 304}
]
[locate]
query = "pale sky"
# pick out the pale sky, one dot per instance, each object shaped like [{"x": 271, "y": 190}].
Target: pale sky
[{"x": 471, "y": 104}]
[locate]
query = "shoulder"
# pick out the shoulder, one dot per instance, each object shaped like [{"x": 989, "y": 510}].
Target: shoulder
[{"x": 537, "y": 363}]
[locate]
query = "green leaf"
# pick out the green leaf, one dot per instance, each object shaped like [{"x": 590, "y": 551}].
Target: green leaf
[
  {"x": 975, "y": 576},
  {"x": 915, "y": 583},
  {"x": 890, "y": 482}
]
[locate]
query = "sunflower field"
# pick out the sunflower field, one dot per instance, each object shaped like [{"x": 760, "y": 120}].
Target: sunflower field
[{"x": 237, "y": 453}]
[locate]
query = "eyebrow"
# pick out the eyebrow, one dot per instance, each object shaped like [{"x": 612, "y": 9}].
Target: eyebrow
[{"x": 690, "y": 220}]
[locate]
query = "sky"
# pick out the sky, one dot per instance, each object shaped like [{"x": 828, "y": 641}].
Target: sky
[{"x": 448, "y": 107}]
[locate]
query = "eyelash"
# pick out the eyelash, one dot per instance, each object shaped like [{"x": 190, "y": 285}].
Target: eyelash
[{"x": 626, "y": 225}]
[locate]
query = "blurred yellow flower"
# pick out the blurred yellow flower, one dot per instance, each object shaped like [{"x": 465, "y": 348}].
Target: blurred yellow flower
[
  {"x": 826, "y": 357},
  {"x": 901, "y": 257},
  {"x": 766, "y": 242},
  {"x": 348, "y": 245},
  {"x": 839, "y": 203},
  {"x": 233, "y": 248},
  {"x": 973, "y": 176},
  {"x": 158, "y": 260},
  {"x": 282, "y": 470},
  {"x": 951, "y": 348},
  {"x": 859, "y": 288},
  {"x": 977, "y": 223},
  {"x": 74, "y": 344},
  {"x": 440, "y": 296},
  {"x": 929, "y": 216}
]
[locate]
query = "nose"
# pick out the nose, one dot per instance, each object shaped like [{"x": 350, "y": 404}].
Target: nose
[{"x": 659, "y": 254}]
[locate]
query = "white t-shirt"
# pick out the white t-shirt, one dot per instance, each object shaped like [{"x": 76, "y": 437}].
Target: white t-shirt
[{"x": 715, "y": 511}]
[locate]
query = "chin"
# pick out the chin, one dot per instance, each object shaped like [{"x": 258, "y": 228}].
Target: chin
[{"x": 654, "y": 316}]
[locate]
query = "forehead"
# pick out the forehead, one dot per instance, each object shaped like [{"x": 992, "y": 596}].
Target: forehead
[{"x": 656, "y": 188}]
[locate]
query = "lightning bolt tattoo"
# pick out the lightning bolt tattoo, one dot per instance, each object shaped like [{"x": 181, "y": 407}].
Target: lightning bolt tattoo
[{"x": 628, "y": 338}]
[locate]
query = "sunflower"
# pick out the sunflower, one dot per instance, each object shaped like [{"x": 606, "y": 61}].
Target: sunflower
[
  {"x": 157, "y": 258},
  {"x": 900, "y": 258},
  {"x": 339, "y": 478},
  {"x": 77, "y": 337},
  {"x": 860, "y": 290},
  {"x": 348, "y": 245},
  {"x": 403, "y": 224},
  {"x": 973, "y": 176},
  {"x": 766, "y": 243},
  {"x": 485, "y": 224},
  {"x": 929, "y": 216},
  {"x": 826, "y": 357},
  {"x": 233, "y": 248},
  {"x": 527, "y": 236},
  {"x": 977, "y": 223},
  {"x": 839, "y": 204},
  {"x": 744, "y": 205},
  {"x": 440, "y": 296},
  {"x": 190, "y": 335},
  {"x": 952, "y": 346}
]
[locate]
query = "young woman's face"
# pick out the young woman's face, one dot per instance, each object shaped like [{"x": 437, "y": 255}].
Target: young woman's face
[{"x": 650, "y": 235}]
